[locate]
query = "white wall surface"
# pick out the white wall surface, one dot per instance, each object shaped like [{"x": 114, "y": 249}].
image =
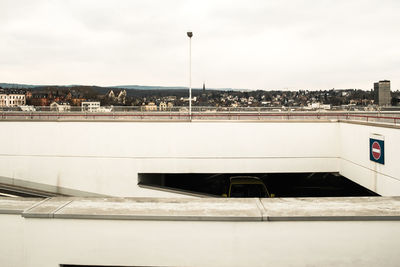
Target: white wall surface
[
  {"x": 356, "y": 165},
  {"x": 12, "y": 240},
  {"x": 105, "y": 157},
  {"x": 50, "y": 242}
]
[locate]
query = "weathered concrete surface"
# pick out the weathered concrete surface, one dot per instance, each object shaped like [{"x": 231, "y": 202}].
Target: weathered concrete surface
[
  {"x": 211, "y": 209},
  {"x": 96, "y": 237},
  {"x": 344, "y": 208},
  {"x": 46, "y": 208},
  {"x": 16, "y": 205},
  {"x": 150, "y": 209}
]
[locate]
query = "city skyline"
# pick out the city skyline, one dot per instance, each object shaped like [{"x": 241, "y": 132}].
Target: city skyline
[{"x": 276, "y": 45}]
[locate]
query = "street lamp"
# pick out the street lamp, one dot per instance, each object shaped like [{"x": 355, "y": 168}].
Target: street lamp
[{"x": 190, "y": 35}]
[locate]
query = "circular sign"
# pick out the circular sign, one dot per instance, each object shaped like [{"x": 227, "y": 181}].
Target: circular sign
[{"x": 376, "y": 150}]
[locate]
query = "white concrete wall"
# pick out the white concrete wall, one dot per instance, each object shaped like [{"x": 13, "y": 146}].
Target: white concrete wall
[
  {"x": 105, "y": 157},
  {"x": 50, "y": 242},
  {"x": 356, "y": 165},
  {"x": 12, "y": 240}
]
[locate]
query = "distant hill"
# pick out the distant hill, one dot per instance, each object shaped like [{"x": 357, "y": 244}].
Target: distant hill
[
  {"x": 106, "y": 88},
  {"x": 136, "y": 87},
  {"x": 16, "y": 86},
  {"x": 145, "y": 87},
  {"x": 92, "y": 91}
]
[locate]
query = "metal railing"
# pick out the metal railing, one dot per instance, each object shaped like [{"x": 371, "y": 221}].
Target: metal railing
[
  {"x": 69, "y": 108},
  {"x": 143, "y": 108},
  {"x": 209, "y": 115}
]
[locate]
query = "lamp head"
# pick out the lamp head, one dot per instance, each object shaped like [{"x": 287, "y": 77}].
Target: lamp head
[{"x": 189, "y": 34}]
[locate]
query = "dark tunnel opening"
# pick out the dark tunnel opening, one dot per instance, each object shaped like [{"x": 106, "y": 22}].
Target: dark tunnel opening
[{"x": 276, "y": 184}]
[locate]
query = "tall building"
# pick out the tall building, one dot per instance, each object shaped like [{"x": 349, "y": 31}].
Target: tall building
[
  {"x": 382, "y": 93},
  {"x": 203, "y": 101}
]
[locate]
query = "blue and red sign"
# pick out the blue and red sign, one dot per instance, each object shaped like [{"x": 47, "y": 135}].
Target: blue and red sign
[{"x": 377, "y": 150}]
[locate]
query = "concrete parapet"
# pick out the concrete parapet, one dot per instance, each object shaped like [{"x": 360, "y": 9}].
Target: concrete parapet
[{"x": 207, "y": 209}]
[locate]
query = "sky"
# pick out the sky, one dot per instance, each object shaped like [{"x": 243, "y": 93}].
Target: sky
[{"x": 249, "y": 44}]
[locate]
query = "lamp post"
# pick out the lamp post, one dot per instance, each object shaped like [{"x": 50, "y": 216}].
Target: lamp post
[{"x": 190, "y": 35}]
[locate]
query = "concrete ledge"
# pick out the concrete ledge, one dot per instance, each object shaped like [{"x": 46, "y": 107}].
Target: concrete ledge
[
  {"x": 47, "y": 208},
  {"x": 16, "y": 205},
  {"x": 372, "y": 123},
  {"x": 208, "y": 209},
  {"x": 217, "y": 120},
  {"x": 332, "y": 218},
  {"x": 261, "y": 120},
  {"x": 331, "y": 209}
]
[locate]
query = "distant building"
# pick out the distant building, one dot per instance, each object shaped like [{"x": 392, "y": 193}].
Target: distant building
[
  {"x": 105, "y": 109},
  {"x": 170, "y": 98},
  {"x": 203, "y": 97},
  {"x": 163, "y": 106},
  {"x": 40, "y": 99},
  {"x": 27, "y": 108},
  {"x": 60, "y": 107},
  {"x": 150, "y": 107},
  {"x": 90, "y": 106},
  {"x": 382, "y": 95},
  {"x": 28, "y": 95},
  {"x": 12, "y": 98},
  {"x": 318, "y": 105},
  {"x": 186, "y": 99},
  {"x": 110, "y": 94},
  {"x": 74, "y": 97},
  {"x": 122, "y": 97},
  {"x": 117, "y": 97}
]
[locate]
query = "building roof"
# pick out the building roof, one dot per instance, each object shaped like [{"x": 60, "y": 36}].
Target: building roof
[{"x": 12, "y": 91}]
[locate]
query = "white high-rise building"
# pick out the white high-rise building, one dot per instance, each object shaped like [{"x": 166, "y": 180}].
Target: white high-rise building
[{"x": 382, "y": 93}]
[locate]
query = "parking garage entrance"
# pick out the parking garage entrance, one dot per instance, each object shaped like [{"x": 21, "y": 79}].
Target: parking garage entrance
[{"x": 255, "y": 184}]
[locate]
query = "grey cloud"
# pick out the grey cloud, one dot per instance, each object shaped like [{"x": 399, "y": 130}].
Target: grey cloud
[{"x": 253, "y": 44}]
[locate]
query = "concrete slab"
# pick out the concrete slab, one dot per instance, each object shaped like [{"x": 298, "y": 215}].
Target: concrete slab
[
  {"x": 10, "y": 205},
  {"x": 47, "y": 208},
  {"x": 200, "y": 209},
  {"x": 207, "y": 209},
  {"x": 331, "y": 209}
]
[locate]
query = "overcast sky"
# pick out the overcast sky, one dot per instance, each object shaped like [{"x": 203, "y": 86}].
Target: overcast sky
[{"x": 274, "y": 44}]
